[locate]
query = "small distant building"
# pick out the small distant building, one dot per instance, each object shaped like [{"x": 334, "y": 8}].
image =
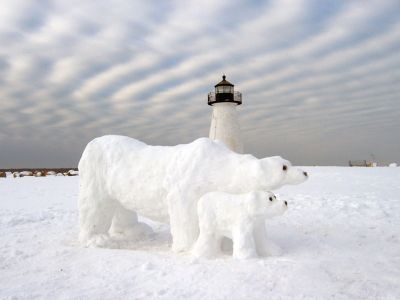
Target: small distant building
[
  {"x": 357, "y": 163},
  {"x": 362, "y": 163}
]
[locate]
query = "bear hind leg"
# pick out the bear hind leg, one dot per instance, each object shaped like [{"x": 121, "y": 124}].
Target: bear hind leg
[
  {"x": 95, "y": 217},
  {"x": 207, "y": 245},
  {"x": 125, "y": 225},
  {"x": 183, "y": 222}
]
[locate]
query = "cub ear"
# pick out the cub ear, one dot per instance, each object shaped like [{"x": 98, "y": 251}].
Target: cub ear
[{"x": 277, "y": 157}]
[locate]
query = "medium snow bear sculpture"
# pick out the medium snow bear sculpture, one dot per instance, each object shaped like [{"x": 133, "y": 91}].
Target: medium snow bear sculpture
[
  {"x": 240, "y": 217},
  {"x": 121, "y": 177}
]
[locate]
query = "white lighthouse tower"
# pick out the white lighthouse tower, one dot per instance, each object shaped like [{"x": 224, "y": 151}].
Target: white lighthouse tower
[{"x": 224, "y": 122}]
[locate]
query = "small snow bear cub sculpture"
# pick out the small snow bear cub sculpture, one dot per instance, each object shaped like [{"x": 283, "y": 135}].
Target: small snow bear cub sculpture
[{"x": 240, "y": 217}]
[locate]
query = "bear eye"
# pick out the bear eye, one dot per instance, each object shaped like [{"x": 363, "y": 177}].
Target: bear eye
[
  {"x": 270, "y": 198},
  {"x": 274, "y": 197},
  {"x": 284, "y": 167}
]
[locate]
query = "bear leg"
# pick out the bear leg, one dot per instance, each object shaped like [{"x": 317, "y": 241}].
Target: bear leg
[
  {"x": 207, "y": 245},
  {"x": 95, "y": 216},
  {"x": 125, "y": 225},
  {"x": 264, "y": 247},
  {"x": 260, "y": 236},
  {"x": 183, "y": 222},
  {"x": 243, "y": 242}
]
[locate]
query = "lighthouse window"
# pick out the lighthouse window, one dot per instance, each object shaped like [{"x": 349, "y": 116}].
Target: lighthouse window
[
  {"x": 224, "y": 89},
  {"x": 227, "y": 89}
]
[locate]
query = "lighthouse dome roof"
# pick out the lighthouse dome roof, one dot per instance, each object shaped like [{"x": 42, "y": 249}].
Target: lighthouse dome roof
[{"x": 224, "y": 82}]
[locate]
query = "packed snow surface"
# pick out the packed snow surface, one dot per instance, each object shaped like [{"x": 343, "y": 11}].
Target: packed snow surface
[{"x": 340, "y": 239}]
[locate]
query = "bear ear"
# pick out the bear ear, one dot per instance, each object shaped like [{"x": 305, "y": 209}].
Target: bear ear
[
  {"x": 277, "y": 157},
  {"x": 275, "y": 160}
]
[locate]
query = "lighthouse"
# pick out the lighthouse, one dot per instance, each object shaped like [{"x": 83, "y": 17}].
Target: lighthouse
[{"x": 224, "y": 121}]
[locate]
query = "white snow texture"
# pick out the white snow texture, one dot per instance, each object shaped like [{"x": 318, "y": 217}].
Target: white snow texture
[
  {"x": 340, "y": 239},
  {"x": 121, "y": 177},
  {"x": 239, "y": 217}
]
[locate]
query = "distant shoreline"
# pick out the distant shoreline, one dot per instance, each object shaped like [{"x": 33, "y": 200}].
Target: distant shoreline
[{"x": 57, "y": 170}]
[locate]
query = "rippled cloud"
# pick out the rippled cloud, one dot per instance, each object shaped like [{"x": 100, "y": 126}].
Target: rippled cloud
[{"x": 319, "y": 78}]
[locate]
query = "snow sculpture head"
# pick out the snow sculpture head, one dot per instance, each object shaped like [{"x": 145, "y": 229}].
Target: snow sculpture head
[
  {"x": 276, "y": 172},
  {"x": 267, "y": 206}
]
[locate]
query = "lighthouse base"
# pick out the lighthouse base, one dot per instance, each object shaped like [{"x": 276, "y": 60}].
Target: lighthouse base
[{"x": 225, "y": 126}]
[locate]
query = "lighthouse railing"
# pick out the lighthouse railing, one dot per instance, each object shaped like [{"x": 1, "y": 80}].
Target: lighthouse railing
[
  {"x": 237, "y": 98},
  {"x": 211, "y": 98}
]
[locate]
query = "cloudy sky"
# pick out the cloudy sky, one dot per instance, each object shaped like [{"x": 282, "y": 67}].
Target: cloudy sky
[{"x": 320, "y": 79}]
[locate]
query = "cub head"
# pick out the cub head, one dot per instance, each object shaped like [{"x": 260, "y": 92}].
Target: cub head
[{"x": 266, "y": 204}]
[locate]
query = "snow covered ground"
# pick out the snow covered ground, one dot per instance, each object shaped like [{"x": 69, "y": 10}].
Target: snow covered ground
[{"x": 340, "y": 239}]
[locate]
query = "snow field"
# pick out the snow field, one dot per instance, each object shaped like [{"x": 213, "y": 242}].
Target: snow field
[{"x": 339, "y": 236}]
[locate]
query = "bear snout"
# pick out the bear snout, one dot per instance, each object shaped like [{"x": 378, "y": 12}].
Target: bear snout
[{"x": 305, "y": 174}]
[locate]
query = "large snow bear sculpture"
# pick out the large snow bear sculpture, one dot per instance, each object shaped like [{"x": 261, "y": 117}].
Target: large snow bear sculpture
[
  {"x": 240, "y": 217},
  {"x": 121, "y": 177}
]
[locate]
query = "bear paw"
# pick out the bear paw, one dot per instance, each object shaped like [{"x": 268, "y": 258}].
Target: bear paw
[
  {"x": 137, "y": 232},
  {"x": 100, "y": 241}
]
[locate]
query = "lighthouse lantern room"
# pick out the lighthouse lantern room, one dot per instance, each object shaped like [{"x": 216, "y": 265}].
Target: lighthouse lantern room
[{"x": 224, "y": 121}]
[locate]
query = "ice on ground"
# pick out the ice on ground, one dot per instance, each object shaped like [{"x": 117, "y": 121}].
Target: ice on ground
[{"x": 340, "y": 239}]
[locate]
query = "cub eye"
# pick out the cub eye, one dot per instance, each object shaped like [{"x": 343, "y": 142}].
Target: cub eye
[
  {"x": 284, "y": 167},
  {"x": 270, "y": 198}
]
